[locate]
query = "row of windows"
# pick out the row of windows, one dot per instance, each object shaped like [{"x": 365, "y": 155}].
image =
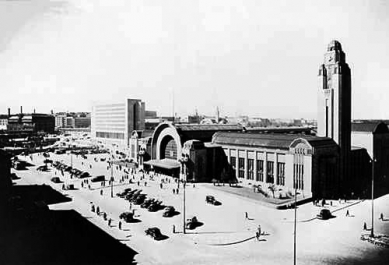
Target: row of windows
[
  {"x": 111, "y": 135},
  {"x": 260, "y": 170}
]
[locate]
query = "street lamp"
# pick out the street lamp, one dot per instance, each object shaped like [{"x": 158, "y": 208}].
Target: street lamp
[
  {"x": 184, "y": 160},
  {"x": 295, "y": 206},
  {"x": 373, "y": 161},
  {"x": 111, "y": 179}
]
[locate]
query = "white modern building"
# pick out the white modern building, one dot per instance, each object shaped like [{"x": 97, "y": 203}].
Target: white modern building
[{"x": 113, "y": 122}]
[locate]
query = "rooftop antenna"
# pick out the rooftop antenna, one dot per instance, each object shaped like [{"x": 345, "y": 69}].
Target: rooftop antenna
[{"x": 172, "y": 89}]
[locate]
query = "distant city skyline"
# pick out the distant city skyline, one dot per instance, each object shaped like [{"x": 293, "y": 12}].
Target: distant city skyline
[{"x": 255, "y": 58}]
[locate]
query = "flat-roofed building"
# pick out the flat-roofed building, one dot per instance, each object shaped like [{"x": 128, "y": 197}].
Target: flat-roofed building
[
  {"x": 306, "y": 162},
  {"x": 113, "y": 122}
]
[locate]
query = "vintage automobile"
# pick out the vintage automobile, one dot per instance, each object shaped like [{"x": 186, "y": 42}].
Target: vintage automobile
[
  {"x": 191, "y": 222},
  {"x": 42, "y": 168},
  {"x": 84, "y": 175},
  {"x": 154, "y": 206},
  {"x": 169, "y": 211},
  {"x": 128, "y": 217},
  {"x": 211, "y": 199},
  {"x": 147, "y": 203},
  {"x": 324, "y": 214},
  {"x": 56, "y": 180},
  {"x": 139, "y": 199},
  {"x": 98, "y": 178},
  {"x": 155, "y": 233}
]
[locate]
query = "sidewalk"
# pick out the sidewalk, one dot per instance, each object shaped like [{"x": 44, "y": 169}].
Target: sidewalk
[{"x": 259, "y": 197}]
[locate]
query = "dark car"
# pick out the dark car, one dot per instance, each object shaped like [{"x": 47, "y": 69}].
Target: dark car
[
  {"x": 98, "y": 178},
  {"x": 169, "y": 211},
  {"x": 139, "y": 199},
  {"x": 155, "y": 206},
  {"x": 147, "y": 203},
  {"x": 191, "y": 222},
  {"x": 324, "y": 214},
  {"x": 211, "y": 199},
  {"x": 155, "y": 233},
  {"x": 84, "y": 175},
  {"x": 128, "y": 217},
  {"x": 56, "y": 180},
  {"x": 42, "y": 168}
]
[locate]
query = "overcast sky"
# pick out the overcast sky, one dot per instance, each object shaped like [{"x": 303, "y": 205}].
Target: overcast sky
[{"x": 258, "y": 58}]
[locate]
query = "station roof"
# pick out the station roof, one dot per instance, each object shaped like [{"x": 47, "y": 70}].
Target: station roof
[
  {"x": 276, "y": 141},
  {"x": 370, "y": 126},
  {"x": 163, "y": 163}
]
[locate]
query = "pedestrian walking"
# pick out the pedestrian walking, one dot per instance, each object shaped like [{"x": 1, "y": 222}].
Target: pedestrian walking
[
  {"x": 98, "y": 210},
  {"x": 174, "y": 191},
  {"x": 177, "y": 191},
  {"x": 160, "y": 185},
  {"x": 259, "y": 229},
  {"x": 105, "y": 216},
  {"x": 381, "y": 216},
  {"x": 347, "y": 213},
  {"x": 364, "y": 226},
  {"x": 120, "y": 225},
  {"x": 246, "y": 215},
  {"x": 93, "y": 208},
  {"x": 101, "y": 192},
  {"x": 174, "y": 229},
  {"x": 257, "y": 236}
]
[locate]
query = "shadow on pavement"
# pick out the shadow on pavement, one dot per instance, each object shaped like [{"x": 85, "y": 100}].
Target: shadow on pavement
[
  {"x": 32, "y": 234},
  {"x": 39, "y": 193},
  {"x": 61, "y": 237}
]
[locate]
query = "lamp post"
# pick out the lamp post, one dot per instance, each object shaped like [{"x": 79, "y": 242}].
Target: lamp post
[
  {"x": 111, "y": 178},
  {"x": 295, "y": 206},
  {"x": 184, "y": 160},
  {"x": 372, "y": 196}
]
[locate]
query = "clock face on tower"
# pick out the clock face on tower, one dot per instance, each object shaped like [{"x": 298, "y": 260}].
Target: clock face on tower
[{"x": 330, "y": 58}]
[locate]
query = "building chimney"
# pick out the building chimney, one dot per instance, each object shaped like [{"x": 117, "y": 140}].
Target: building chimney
[
  {"x": 21, "y": 109},
  {"x": 9, "y": 112}
]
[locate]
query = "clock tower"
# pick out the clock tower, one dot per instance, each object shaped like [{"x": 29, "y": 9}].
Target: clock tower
[{"x": 334, "y": 101}]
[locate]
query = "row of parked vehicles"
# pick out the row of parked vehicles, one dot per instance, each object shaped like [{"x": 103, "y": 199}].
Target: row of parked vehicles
[{"x": 74, "y": 171}]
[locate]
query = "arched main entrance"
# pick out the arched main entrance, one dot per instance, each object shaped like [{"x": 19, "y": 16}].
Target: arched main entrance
[{"x": 168, "y": 148}]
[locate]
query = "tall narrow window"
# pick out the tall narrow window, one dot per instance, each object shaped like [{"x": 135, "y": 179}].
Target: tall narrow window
[
  {"x": 241, "y": 167},
  {"x": 280, "y": 173},
  {"x": 259, "y": 170},
  {"x": 250, "y": 169},
  {"x": 270, "y": 172}
]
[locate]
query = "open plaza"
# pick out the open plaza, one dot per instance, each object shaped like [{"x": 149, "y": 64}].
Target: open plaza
[{"x": 226, "y": 233}]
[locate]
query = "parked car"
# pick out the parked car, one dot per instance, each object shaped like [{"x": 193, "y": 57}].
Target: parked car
[
  {"x": 42, "y": 168},
  {"x": 155, "y": 233},
  {"x": 155, "y": 206},
  {"x": 324, "y": 214},
  {"x": 169, "y": 211},
  {"x": 139, "y": 199},
  {"x": 98, "y": 178},
  {"x": 128, "y": 217},
  {"x": 56, "y": 180},
  {"x": 147, "y": 203},
  {"x": 84, "y": 175},
  {"x": 191, "y": 222}
]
